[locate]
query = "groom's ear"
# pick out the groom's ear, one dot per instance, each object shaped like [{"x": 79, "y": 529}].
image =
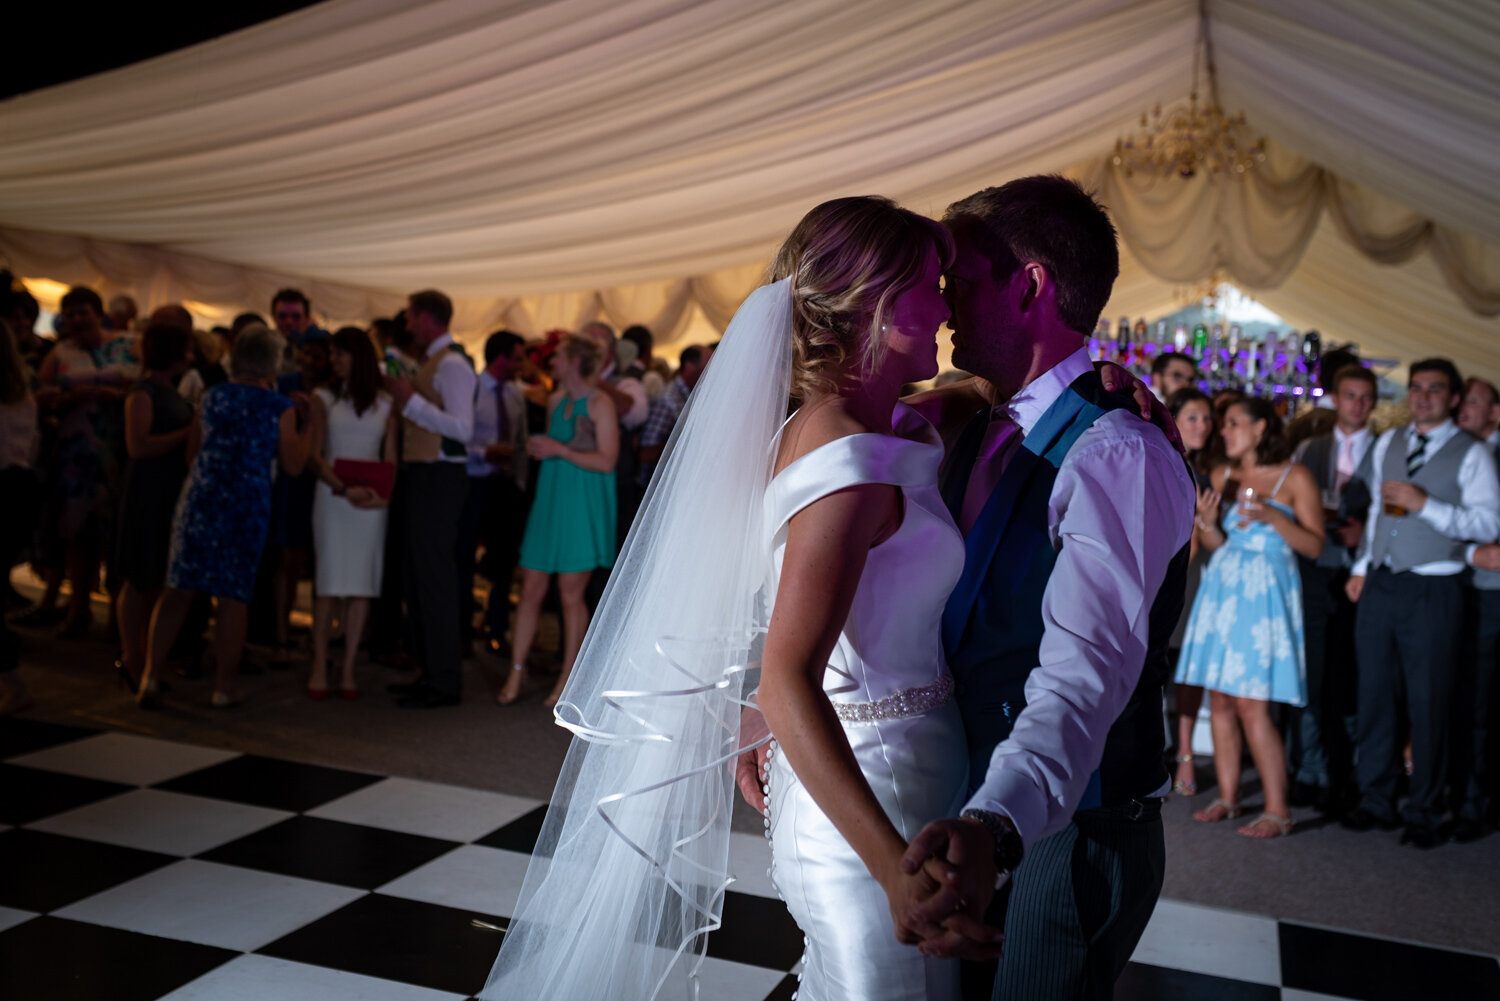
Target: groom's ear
[{"x": 1034, "y": 279}]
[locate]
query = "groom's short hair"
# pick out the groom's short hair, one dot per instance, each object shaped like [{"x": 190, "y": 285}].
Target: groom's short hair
[{"x": 1049, "y": 219}]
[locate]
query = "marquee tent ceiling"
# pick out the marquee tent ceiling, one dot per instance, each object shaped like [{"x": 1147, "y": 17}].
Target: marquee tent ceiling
[{"x": 639, "y": 159}]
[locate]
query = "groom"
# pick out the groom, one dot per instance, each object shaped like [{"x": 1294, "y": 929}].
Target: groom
[{"x": 1076, "y": 515}]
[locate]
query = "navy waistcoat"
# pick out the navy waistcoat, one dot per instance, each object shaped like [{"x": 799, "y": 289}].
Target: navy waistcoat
[{"x": 992, "y": 625}]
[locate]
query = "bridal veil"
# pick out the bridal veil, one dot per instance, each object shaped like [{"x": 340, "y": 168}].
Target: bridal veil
[{"x": 629, "y": 873}]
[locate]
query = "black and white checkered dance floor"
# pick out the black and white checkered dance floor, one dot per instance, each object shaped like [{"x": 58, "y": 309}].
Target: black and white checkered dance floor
[{"x": 136, "y": 869}]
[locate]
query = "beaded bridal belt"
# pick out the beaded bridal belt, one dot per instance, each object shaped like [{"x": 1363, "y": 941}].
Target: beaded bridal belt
[{"x": 905, "y": 703}]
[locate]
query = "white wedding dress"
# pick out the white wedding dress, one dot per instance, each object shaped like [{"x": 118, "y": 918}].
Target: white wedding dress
[{"x": 890, "y": 685}]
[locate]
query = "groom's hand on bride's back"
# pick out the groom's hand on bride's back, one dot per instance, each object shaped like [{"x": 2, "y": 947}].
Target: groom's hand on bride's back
[
  {"x": 750, "y": 767},
  {"x": 1119, "y": 380}
]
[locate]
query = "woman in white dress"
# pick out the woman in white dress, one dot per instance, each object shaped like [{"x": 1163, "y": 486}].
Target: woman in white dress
[
  {"x": 833, "y": 524},
  {"x": 352, "y": 420}
]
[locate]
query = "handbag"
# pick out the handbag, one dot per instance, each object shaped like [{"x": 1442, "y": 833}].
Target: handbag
[{"x": 378, "y": 476}]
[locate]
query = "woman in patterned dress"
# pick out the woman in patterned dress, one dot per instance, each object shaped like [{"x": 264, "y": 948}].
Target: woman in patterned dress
[
  {"x": 1244, "y": 640},
  {"x": 219, "y": 529}
]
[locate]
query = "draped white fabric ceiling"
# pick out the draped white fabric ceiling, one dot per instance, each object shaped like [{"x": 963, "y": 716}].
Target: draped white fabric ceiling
[{"x": 546, "y": 162}]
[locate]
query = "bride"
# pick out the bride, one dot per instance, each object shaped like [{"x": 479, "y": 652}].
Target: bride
[{"x": 817, "y": 550}]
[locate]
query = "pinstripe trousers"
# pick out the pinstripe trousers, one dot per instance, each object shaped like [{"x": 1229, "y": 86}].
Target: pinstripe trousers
[{"x": 1075, "y": 908}]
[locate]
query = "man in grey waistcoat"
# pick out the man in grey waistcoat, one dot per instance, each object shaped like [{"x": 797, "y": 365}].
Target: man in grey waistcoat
[
  {"x": 1472, "y": 774},
  {"x": 1434, "y": 490},
  {"x": 1321, "y": 751}
]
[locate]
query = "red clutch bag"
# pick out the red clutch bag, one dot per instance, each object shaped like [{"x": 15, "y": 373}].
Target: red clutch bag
[{"x": 378, "y": 476}]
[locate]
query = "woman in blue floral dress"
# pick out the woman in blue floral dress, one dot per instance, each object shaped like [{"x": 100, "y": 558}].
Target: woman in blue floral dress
[
  {"x": 219, "y": 529},
  {"x": 1244, "y": 639}
]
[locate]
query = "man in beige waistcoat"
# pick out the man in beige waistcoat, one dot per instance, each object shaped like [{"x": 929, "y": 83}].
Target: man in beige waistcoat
[{"x": 437, "y": 405}]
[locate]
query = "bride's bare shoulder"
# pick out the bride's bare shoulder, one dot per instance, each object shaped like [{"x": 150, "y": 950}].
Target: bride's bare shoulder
[{"x": 814, "y": 426}]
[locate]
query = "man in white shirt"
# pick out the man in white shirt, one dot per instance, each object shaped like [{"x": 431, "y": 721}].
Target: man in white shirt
[
  {"x": 1434, "y": 490},
  {"x": 494, "y": 508},
  {"x": 1077, "y": 516},
  {"x": 1321, "y": 755},
  {"x": 438, "y": 407}
]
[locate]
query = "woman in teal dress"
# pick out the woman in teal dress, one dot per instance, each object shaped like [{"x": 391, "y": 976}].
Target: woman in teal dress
[
  {"x": 571, "y": 528},
  {"x": 1244, "y": 639}
]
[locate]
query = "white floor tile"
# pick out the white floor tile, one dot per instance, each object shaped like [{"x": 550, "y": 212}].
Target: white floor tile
[
  {"x": 262, "y": 978},
  {"x": 722, "y": 980},
  {"x": 212, "y": 904},
  {"x": 427, "y": 808},
  {"x": 159, "y": 821},
  {"x": 470, "y": 878},
  {"x": 1292, "y": 994},
  {"x": 125, "y": 757},
  {"x": 1198, "y": 939},
  {"x": 10, "y": 917},
  {"x": 749, "y": 860}
]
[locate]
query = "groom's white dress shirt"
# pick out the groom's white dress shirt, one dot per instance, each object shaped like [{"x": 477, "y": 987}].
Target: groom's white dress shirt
[{"x": 1121, "y": 508}]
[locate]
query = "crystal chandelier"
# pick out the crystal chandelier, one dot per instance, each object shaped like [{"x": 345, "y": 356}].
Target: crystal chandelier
[{"x": 1188, "y": 140}]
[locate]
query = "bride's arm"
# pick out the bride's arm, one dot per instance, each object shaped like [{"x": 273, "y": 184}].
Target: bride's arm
[{"x": 825, "y": 554}]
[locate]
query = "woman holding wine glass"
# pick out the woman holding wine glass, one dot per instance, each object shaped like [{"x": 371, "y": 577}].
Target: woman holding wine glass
[{"x": 1244, "y": 640}]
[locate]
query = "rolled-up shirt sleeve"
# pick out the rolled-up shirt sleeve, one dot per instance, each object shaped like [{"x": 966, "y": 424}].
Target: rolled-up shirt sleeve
[
  {"x": 454, "y": 381},
  {"x": 1120, "y": 511}
]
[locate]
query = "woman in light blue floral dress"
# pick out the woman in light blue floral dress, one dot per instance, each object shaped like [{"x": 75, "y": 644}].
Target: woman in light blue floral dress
[
  {"x": 1244, "y": 638},
  {"x": 219, "y": 530}
]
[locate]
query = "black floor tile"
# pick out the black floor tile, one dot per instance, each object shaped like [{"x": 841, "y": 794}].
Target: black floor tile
[
  {"x": 46, "y": 871},
  {"x": 62, "y": 960},
  {"x": 405, "y": 940},
  {"x": 758, "y": 931},
  {"x": 280, "y": 785},
  {"x": 784, "y": 991},
  {"x": 28, "y": 794},
  {"x": 519, "y": 835},
  {"x": 22, "y": 736},
  {"x": 1140, "y": 982},
  {"x": 331, "y": 852},
  {"x": 1369, "y": 969}
]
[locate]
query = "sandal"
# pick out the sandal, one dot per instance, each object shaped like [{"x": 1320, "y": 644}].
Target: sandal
[
  {"x": 1219, "y": 809},
  {"x": 1253, "y": 829},
  {"x": 1185, "y": 787}
]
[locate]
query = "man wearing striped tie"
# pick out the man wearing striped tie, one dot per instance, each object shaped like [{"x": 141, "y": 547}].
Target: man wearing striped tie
[{"x": 1434, "y": 491}]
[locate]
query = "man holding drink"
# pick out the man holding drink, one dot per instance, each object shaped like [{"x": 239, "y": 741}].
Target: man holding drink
[{"x": 1434, "y": 489}]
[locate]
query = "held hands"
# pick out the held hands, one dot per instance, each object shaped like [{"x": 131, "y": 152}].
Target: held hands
[
  {"x": 1354, "y": 587},
  {"x": 949, "y": 880},
  {"x": 1407, "y": 495}
]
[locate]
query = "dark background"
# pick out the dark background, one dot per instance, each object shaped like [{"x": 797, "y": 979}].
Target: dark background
[{"x": 52, "y": 43}]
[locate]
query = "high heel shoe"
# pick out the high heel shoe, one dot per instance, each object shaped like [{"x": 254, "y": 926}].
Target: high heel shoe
[
  {"x": 1188, "y": 787},
  {"x": 317, "y": 694},
  {"x": 518, "y": 675},
  {"x": 350, "y": 694},
  {"x": 149, "y": 696}
]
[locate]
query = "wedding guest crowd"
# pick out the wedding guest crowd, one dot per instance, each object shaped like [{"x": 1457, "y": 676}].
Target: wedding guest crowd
[
  {"x": 1347, "y": 622},
  {"x": 1343, "y": 613}
]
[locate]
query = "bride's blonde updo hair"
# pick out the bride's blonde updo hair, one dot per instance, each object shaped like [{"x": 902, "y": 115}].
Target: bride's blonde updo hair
[{"x": 849, "y": 259}]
